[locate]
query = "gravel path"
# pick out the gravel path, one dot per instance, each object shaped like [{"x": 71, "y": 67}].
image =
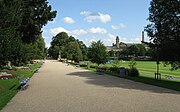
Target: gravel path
[{"x": 58, "y": 87}]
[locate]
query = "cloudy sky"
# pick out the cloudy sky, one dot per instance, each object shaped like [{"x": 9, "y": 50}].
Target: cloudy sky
[{"x": 91, "y": 20}]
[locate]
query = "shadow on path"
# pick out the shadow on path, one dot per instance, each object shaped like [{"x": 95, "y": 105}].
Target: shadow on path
[{"x": 111, "y": 81}]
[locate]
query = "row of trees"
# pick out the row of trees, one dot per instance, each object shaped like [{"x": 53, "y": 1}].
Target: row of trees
[
  {"x": 20, "y": 29},
  {"x": 163, "y": 31},
  {"x": 134, "y": 50},
  {"x": 73, "y": 49}
]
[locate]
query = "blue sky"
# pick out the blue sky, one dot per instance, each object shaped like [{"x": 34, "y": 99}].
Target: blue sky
[{"x": 92, "y": 20}]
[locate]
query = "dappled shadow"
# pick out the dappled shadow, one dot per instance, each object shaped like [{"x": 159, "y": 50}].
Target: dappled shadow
[{"x": 111, "y": 81}]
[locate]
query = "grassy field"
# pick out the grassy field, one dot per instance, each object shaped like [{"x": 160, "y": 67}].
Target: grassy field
[
  {"x": 149, "y": 67},
  {"x": 147, "y": 70},
  {"x": 9, "y": 88}
]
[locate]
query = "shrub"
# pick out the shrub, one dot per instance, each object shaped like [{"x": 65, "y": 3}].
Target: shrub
[
  {"x": 93, "y": 66},
  {"x": 114, "y": 69},
  {"x": 132, "y": 72},
  {"x": 103, "y": 68},
  {"x": 83, "y": 65}
]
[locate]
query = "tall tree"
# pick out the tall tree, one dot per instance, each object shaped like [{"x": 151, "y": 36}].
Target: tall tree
[
  {"x": 97, "y": 53},
  {"x": 35, "y": 14},
  {"x": 10, "y": 38},
  {"x": 73, "y": 51},
  {"x": 84, "y": 49},
  {"x": 133, "y": 50},
  {"x": 164, "y": 30}
]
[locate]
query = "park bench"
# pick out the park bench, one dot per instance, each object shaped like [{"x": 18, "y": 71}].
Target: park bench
[
  {"x": 23, "y": 83},
  {"x": 36, "y": 70},
  {"x": 77, "y": 66},
  {"x": 168, "y": 77}
]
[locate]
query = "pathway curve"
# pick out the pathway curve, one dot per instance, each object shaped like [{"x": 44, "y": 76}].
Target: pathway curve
[{"x": 58, "y": 87}]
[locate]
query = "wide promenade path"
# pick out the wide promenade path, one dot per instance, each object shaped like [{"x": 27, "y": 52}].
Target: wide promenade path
[{"x": 58, "y": 87}]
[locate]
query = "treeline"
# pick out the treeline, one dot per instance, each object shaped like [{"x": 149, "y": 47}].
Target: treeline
[
  {"x": 69, "y": 48},
  {"x": 137, "y": 50},
  {"x": 21, "y": 22}
]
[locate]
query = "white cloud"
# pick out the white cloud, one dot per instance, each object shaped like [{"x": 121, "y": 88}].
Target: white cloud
[
  {"x": 57, "y": 30},
  {"x": 93, "y": 40},
  {"x": 97, "y": 30},
  {"x": 79, "y": 32},
  {"x": 93, "y": 16},
  {"x": 68, "y": 20},
  {"x": 119, "y": 26},
  {"x": 135, "y": 40},
  {"x": 110, "y": 39}
]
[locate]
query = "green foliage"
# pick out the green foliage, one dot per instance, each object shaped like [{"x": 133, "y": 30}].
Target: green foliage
[
  {"x": 84, "y": 50},
  {"x": 35, "y": 14},
  {"x": 133, "y": 50},
  {"x": 111, "y": 53},
  {"x": 132, "y": 72},
  {"x": 73, "y": 51},
  {"x": 69, "y": 47},
  {"x": 20, "y": 23},
  {"x": 116, "y": 63},
  {"x": 163, "y": 30},
  {"x": 10, "y": 42},
  {"x": 132, "y": 63},
  {"x": 97, "y": 53},
  {"x": 9, "y": 88}
]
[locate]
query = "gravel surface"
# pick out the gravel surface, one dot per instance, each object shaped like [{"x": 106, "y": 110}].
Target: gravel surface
[{"x": 58, "y": 87}]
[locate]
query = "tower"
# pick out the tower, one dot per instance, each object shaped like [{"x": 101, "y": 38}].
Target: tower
[
  {"x": 142, "y": 36},
  {"x": 117, "y": 42}
]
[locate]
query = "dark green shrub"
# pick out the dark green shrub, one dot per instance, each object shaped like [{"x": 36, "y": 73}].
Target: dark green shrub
[
  {"x": 132, "y": 72},
  {"x": 83, "y": 65},
  {"x": 103, "y": 68},
  {"x": 114, "y": 69},
  {"x": 93, "y": 66}
]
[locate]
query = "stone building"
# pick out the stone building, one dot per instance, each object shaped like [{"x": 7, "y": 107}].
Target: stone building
[{"x": 119, "y": 46}]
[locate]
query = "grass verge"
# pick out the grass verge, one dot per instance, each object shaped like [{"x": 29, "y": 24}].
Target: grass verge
[
  {"x": 173, "y": 85},
  {"x": 10, "y": 87}
]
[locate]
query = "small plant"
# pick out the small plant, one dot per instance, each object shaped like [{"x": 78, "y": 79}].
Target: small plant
[
  {"x": 133, "y": 63},
  {"x": 116, "y": 63},
  {"x": 133, "y": 71}
]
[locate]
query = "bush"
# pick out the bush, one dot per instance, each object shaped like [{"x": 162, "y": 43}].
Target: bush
[
  {"x": 83, "y": 65},
  {"x": 102, "y": 68},
  {"x": 132, "y": 72},
  {"x": 93, "y": 66},
  {"x": 114, "y": 69}
]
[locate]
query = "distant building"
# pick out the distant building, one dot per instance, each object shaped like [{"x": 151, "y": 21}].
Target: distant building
[{"x": 119, "y": 46}]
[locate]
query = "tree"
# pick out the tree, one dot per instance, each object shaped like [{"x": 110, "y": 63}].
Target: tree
[
  {"x": 20, "y": 23},
  {"x": 164, "y": 31},
  {"x": 111, "y": 53},
  {"x": 35, "y": 14},
  {"x": 97, "y": 53},
  {"x": 83, "y": 49},
  {"x": 73, "y": 51},
  {"x": 62, "y": 42},
  {"x": 133, "y": 50},
  {"x": 10, "y": 38},
  {"x": 58, "y": 43},
  {"x": 142, "y": 50}
]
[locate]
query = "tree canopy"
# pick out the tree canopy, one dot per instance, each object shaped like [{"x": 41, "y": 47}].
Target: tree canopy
[
  {"x": 164, "y": 31},
  {"x": 20, "y": 29},
  {"x": 69, "y": 47},
  {"x": 97, "y": 53},
  {"x": 35, "y": 14}
]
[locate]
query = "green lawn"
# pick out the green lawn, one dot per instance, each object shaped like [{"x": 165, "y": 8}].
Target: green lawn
[
  {"x": 149, "y": 67},
  {"x": 9, "y": 88},
  {"x": 145, "y": 68}
]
